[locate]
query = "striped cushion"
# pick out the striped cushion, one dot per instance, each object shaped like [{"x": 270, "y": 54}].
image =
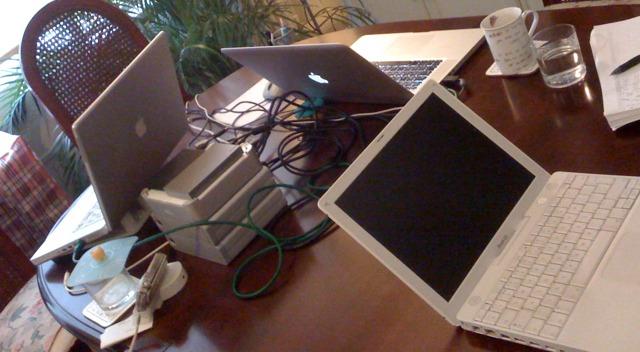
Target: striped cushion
[{"x": 30, "y": 200}]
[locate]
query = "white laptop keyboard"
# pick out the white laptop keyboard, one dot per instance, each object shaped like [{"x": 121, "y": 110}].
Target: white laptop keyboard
[
  {"x": 91, "y": 217},
  {"x": 410, "y": 74},
  {"x": 542, "y": 284}
]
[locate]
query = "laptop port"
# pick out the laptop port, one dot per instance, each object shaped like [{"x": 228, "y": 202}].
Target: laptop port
[
  {"x": 471, "y": 327},
  {"x": 490, "y": 332}
]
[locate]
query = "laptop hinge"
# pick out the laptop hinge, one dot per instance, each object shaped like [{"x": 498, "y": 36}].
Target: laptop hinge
[{"x": 505, "y": 242}]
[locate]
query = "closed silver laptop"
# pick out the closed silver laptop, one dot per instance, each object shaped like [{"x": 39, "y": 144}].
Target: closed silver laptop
[
  {"x": 124, "y": 138},
  {"x": 382, "y": 68}
]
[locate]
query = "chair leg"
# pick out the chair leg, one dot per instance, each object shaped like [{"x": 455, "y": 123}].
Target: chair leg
[{"x": 63, "y": 342}]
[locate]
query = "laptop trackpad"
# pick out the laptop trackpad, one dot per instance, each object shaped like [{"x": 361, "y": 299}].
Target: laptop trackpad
[{"x": 623, "y": 263}]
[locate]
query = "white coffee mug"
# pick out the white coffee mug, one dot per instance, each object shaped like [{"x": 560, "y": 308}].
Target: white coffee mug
[{"x": 509, "y": 40}]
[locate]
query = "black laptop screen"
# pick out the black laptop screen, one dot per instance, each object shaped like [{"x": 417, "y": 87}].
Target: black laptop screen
[{"x": 436, "y": 194}]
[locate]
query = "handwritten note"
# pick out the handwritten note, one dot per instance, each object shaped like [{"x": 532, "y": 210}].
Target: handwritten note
[{"x": 613, "y": 44}]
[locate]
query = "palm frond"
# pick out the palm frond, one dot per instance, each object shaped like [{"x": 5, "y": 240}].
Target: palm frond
[
  {"x": 200, "y": 28},
  {"x": 14, "y": 93},
  {"x": 66, "y": 155}
]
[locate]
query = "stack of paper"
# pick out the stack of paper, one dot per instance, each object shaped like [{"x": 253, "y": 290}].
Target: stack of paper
[{"x": 613, "y": 44}]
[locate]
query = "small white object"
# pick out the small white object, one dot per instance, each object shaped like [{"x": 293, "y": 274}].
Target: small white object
[
  {"x": 494, "y": 71},
  {"x": 94, "y": 313},
  {"x": 174, "y": 280},
  {"x": 246, "y": 147}
]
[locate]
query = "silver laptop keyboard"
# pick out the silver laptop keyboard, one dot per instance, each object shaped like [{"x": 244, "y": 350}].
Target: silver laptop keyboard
[
  {"x": 543, "y": 283},
  {"x": 91, "y": 217},
  {"x": 410, "y": 74}
]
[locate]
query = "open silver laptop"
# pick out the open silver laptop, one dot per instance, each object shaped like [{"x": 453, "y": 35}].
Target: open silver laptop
[
  {"x": 384, "y": 68},
  {"x": 124, "y": 137},
  {"x": 488, "y": 238}
]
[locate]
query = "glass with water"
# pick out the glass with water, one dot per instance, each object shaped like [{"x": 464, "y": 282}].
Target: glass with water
[{"x": 559, "y": 56}]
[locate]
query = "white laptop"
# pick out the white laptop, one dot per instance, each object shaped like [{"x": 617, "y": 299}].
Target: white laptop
[
  {"x": 382, "y": 68},
  {"x": 124, "y": 138},
  {"x": 488, "y": 238}
]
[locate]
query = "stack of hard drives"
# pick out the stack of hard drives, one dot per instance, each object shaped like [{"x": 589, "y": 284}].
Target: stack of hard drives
[{"x": 213, "y": 184}]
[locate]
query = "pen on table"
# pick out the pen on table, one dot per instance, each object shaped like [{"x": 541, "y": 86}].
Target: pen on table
[{"x": 627, "y": 65}]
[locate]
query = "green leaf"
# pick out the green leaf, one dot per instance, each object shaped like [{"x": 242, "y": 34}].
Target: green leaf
[
  {"x": 13, "y": 92},
  {"x": 74, "y": 175},
  {"x": 200, "y": 28}
]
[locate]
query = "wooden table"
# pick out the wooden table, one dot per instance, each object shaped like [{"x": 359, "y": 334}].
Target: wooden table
[{"x": 335, "y": 296}]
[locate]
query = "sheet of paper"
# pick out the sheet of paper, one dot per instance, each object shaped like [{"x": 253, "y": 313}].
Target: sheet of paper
[
  {"x": 613, "y": 44},
  {"x": 125, "y": 329}
]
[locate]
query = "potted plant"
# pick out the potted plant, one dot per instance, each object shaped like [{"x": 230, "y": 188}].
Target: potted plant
[{"x": 199, "y": 29}]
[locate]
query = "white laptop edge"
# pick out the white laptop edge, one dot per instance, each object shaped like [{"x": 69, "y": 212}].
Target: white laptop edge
[
  {"x": 500, "y": 240},
  {"x": 65, "y": 227}
]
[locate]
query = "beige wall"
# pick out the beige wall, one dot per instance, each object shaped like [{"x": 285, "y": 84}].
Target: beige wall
[
  {"x": 315, "y": 6},
  {"x": 404, "y": 10}
]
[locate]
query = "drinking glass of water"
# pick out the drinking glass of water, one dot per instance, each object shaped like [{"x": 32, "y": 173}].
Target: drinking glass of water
[{"x": 559, "y": 56}]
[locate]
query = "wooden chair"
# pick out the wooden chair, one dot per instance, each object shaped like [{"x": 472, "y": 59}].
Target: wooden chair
[{"x": 72, "y": 50}]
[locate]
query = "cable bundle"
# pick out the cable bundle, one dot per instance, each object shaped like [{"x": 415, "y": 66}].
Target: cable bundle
[{"x": 308, "y": 128}]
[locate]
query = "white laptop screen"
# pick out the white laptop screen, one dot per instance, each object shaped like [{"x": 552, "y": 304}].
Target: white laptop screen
[{"x": 436, "y": 194}]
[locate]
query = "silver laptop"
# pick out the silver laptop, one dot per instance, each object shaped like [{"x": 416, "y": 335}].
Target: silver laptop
[
  {"x": 124, "y": 137},
  {"x": 488, "y": 238},
  {"x": 384, "y": 68}
]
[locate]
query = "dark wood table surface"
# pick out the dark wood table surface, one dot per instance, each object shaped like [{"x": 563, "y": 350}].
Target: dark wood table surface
[{"x": 333, "y": 295}]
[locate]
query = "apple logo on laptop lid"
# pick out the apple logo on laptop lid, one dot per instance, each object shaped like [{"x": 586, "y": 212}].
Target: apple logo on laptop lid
[
  {"x": 140, "y": 127},
  {"x": 317, "y": 78}
]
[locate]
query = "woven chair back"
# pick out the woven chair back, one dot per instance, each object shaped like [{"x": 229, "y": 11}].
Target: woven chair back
[{"x": 72, "y": 50}]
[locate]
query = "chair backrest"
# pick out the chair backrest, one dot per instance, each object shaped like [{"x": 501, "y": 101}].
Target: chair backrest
[{"x": 72, "y": 50}]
